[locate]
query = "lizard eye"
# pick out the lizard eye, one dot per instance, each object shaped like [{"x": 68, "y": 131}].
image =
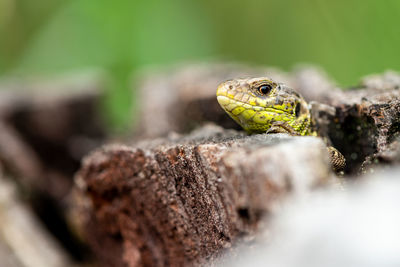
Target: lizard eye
[{"x": 264, "y": 89}]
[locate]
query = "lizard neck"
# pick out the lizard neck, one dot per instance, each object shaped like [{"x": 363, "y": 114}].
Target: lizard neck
[{"x": 304, "y": 124}]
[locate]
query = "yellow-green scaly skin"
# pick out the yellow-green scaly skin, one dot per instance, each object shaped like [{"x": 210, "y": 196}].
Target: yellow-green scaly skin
[{"x": 280, "y": 110}]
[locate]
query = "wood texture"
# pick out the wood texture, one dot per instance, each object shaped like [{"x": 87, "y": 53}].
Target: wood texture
[{"x": 180, "y": 202}]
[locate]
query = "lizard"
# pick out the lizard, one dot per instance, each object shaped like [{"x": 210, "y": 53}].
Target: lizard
[{"x": 261, "y": 105}]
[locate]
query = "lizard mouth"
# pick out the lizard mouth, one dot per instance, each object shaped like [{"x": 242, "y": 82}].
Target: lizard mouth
[{"x": 233, "y": 106}]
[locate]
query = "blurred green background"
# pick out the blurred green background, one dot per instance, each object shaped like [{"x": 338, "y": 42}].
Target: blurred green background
[{"x": 348, "y": 38}]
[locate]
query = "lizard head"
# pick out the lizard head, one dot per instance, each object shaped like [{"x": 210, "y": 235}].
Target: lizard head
[{"x": 256, "y": 103}]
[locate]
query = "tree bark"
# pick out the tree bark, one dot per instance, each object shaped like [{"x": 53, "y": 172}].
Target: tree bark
[{"x": 180, "y": 201}]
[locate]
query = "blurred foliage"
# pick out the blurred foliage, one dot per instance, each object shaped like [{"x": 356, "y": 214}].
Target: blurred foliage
[{"x": 347, "y": 38}]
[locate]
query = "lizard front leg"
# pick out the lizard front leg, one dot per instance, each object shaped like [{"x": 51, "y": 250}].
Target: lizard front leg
[
  {"x": 338, "y": 161},
  {"x": 282, "y": 127}
]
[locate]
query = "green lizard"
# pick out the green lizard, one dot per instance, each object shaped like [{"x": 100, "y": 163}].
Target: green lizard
[{"x": 261, "y": 105}]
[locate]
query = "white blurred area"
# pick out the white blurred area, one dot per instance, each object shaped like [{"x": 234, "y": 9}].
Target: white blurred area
[{"x": 358, "y": 227}]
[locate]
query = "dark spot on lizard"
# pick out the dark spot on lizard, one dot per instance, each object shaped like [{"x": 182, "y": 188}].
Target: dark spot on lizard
[{"x": 297, "y": 111}]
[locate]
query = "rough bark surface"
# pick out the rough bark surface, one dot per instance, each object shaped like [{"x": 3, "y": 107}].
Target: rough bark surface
[
  {"x": 180, "y": 201},
  {"x": 367, "y": 120}
]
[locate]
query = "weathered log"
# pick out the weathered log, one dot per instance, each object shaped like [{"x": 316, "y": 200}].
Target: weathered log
[
  {"x": 367, "y": 120},
  {"x": 179, "y": 201}
]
